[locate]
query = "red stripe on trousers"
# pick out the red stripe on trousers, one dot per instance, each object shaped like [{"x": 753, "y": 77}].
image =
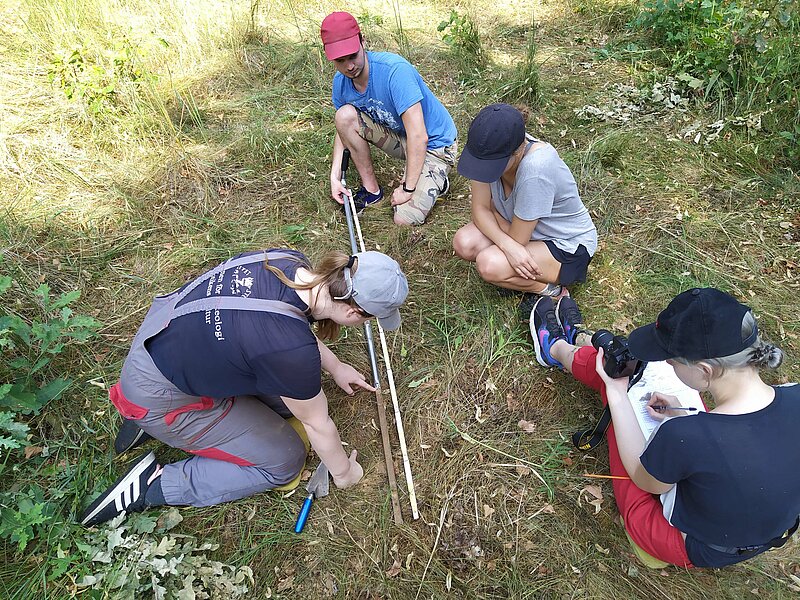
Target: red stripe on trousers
[
  {"x": 218, "y": 454},
  {"x": 126, "y": 408},
  {"x": 204, "y": 404}
]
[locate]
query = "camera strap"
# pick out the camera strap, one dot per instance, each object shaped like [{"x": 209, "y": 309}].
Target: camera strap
[{"x": 590, "y": 438}]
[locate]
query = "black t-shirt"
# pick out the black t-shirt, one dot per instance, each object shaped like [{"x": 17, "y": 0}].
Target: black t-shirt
[
  {"x": 221, "y": 353},
  {"x": 737, "y": 476}
]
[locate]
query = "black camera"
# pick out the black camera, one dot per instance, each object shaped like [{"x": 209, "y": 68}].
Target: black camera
[{"x": 617, "y": 358}]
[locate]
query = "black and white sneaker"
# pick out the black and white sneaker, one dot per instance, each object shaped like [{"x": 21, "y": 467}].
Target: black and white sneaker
[
  {"x": 125, "y": 496},
  {"x": 445, "y": 187},
  {"x": 130, "y": 436}
]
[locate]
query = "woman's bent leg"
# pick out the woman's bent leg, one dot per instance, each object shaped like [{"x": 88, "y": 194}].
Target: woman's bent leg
[
  {"x": 242, "y": 448},
  {"x": 641, "y": 511}
]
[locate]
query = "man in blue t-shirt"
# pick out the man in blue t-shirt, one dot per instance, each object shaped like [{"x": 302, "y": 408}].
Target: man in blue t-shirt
[{"x": 381, "y": 99}]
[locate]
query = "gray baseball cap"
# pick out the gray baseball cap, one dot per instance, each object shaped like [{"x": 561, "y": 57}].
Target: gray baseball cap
[{"x": 378, "y": 286}]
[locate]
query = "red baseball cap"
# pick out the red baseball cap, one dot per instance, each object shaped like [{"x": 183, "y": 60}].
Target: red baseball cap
[{"x": 340, "y": 35}]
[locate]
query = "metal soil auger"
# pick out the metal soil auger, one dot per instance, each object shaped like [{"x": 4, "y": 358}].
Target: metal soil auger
[{"x": 354, "y": 227}]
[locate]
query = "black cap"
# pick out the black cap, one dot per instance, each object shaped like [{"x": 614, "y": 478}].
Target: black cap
[
  {"x": 494, "y": 134},
  {"x": 698, "y": 323}
]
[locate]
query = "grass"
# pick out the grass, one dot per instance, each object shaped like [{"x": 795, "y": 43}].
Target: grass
[{"x": 224, "y": 147}]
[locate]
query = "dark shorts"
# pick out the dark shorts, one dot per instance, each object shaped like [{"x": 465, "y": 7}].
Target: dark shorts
[{"x": 573, "y": 266}]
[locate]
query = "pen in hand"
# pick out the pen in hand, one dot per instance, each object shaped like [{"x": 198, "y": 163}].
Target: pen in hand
[{"x": 663, "y": 408}]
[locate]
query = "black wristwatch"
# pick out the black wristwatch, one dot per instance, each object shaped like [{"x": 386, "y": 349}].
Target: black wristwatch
[{"x": 408, "y": 191}]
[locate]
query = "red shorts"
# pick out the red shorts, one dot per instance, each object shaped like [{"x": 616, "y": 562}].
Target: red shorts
[{"x": 641, "y": 511}]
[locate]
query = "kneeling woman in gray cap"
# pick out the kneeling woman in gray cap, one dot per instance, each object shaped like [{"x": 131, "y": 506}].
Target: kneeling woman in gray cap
[{"x": 219, "y": 367}]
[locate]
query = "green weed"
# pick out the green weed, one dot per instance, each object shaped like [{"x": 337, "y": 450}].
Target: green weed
[
  {"x": 460, "y": 32},
  {"x": 29, "y": 348},
  {"x": 740, "y": 55}
]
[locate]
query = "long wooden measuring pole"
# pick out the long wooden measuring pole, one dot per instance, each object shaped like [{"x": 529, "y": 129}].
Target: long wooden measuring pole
[
  {"x": 349, "y": 211},
  {"x": 398, "y": 419}
]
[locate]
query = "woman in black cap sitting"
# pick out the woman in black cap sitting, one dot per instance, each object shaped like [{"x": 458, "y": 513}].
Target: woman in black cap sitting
[
  {"x": 530, "y": 231},
  {"x": 728, "y": 478}
]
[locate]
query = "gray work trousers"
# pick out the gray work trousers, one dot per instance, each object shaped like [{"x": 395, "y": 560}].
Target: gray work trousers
[{"x": 242, "y": 445}]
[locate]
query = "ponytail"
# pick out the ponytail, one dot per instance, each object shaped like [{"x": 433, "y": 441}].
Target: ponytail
[
  {"x": 328, "y": 274},
  {"x": 764, "y": 355}
]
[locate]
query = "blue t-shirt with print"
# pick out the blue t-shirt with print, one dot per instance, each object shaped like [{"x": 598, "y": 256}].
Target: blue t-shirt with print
[
  {"x": 221, "y": 353},
  {"x": 736, "y": 476},
  {"x": 394, "y": 86}
]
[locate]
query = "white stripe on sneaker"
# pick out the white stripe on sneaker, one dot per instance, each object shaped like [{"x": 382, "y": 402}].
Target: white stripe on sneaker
[{"x": 122, "y": 486}]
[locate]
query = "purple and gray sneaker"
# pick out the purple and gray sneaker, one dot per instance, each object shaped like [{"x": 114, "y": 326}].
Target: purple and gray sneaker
[{"x": 545, "y": 331}]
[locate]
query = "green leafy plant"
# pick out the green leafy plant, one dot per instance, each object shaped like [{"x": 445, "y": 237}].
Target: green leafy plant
[
  {"x": 461, "y": 34},
  {"x": 741, "y": 54},
  {"x": 23, "y": 515},
  {"x": 97, "y": 80},
  {"x": 13, "y": 434},
  {"x": 29, "y": 347}
]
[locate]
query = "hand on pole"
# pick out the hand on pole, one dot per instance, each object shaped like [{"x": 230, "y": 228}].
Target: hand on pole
[
  {"x": 339, "y": 192},
  {"x": 346, "y": 377}
]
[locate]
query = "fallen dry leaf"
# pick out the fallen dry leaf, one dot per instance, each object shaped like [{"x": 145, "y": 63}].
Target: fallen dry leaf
[
  {"x": 32, "y": 451},
  {"x": 593, "y": 495},
  {"x": 527, "y": 426},
  {"x": 285, "y": 584},
  {"x": 395, "y": 569},
  {"x": 623, "y": 324},
  {"x": 511, "y": 402},
  {"x": 488, "y": 511}
]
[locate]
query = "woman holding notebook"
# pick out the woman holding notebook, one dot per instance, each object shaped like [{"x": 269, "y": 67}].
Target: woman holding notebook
[{"x": 728, "y": 480}]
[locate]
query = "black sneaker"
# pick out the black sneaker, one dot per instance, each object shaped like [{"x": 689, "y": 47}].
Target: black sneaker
[
  {"x": 125, "y": 496},
  {"x": 130, "y": 436},
  {"x": 569, "y": 318},
  {"x": 545, "y": 331},
  {"x": 526, "y": 305},
  {"x": 362, "y": 199},
  {"x": 446, "y": 187},
  {"x": 509, "y": 293},
  {"x": 552, "y": 290}
]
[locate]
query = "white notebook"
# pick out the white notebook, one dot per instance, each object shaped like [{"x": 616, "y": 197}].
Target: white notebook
[{"x": 660, "y": 377}]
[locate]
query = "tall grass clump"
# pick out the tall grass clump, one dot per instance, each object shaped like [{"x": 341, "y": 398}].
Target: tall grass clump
[
  {"x": 523, "y": 84},
  {"x": 743, "y": 56}
]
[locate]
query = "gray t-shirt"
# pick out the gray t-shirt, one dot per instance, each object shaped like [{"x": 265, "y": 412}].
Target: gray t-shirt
[{"x": 545, "y": 190}]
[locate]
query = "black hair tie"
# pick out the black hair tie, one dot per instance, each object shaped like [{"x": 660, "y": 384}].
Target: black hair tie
[{"x": 351, "y": 262}]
